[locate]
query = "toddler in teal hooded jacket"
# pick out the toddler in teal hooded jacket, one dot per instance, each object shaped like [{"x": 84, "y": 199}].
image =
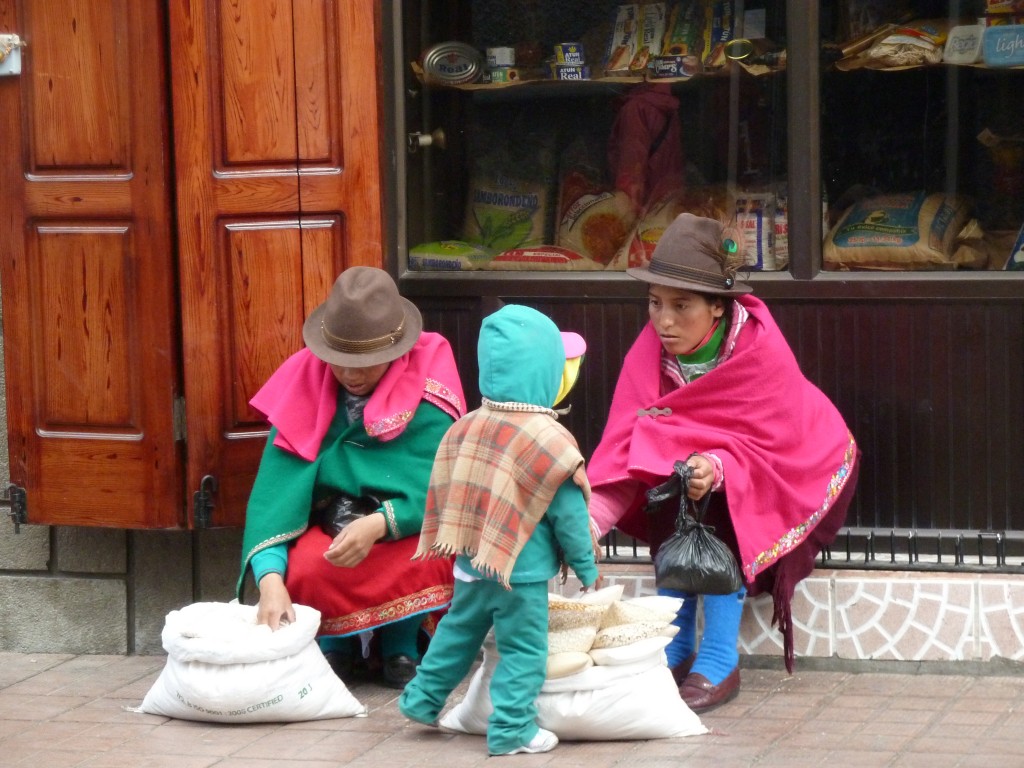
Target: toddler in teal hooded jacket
[{"x": 503, "y": 499}]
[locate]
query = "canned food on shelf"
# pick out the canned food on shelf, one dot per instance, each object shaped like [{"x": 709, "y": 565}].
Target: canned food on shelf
[
  {"x": 674, "y": 66},
  {"x": 452, "y": 63},
  {"x": 502, "y": 75},
  {"x": 570, "y": 72},
  {"x": 501, "y": 56},
  {"x": 569, "y": 53}
]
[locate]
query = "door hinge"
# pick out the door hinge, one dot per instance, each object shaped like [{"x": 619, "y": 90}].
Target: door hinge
[
  {"x": 180, "y": 426},
  {"x": 16, "y": 500},
  {"x": 202, "y": 502}
]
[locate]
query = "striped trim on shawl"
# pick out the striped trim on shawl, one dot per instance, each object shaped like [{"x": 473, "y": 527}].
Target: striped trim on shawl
[{"x": 494, "y": 476}]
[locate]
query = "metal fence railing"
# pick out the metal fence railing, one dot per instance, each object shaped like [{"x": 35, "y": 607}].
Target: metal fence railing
[
  {"x": 940, "y": 550},
  {"x": 927, "y": 550}
]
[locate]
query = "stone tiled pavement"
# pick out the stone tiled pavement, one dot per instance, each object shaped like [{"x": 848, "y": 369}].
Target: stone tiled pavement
[{"x": 58, "y": 711}]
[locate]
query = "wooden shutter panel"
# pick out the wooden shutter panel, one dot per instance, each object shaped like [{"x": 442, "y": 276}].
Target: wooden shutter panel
[
  {"x": 87, "y": 268},
  {"x": 278, "y": 168}
]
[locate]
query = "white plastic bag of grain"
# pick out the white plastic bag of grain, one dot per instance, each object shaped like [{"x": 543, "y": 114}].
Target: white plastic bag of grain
[
  {"x": 223, "y": 667},
  {"x": 635, "y": 700}
]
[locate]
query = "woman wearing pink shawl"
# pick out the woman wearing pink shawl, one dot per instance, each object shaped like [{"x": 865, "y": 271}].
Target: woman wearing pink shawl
[
  {"x": 712, "y": 381},
  {"x": 356, "y": 415}
]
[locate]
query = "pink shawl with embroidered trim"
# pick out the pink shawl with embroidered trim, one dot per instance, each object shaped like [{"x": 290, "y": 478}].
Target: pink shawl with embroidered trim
[
  {"x": 300, "y": 397},
  {"x": 785, "y": 448}
]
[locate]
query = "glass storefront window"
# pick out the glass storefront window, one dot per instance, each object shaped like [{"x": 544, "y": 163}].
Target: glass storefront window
[
  {"x": 564, "y": 136},
  {"x": 922, "y": 134}
]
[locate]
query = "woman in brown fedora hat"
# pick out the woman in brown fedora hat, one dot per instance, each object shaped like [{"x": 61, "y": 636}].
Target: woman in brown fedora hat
[
  {"x": 337, "y": 505},
  {"x": 711, "y": 381}
]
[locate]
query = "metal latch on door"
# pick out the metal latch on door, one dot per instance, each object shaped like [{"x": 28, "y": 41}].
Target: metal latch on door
[
  {"x": 10, "y": 54},
  {"x": 15, "y": 499}
]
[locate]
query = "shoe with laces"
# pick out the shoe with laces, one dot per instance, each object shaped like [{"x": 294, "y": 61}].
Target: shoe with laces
[{"x": 544, "y": 741}]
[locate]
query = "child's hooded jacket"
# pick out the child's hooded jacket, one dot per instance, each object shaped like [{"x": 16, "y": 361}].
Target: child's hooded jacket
[{"x": 501, "y": 494}]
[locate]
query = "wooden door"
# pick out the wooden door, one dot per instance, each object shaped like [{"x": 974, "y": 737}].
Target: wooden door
[
  {"x": 86, "y": 266},
  {"x": 276, "y": 136}
]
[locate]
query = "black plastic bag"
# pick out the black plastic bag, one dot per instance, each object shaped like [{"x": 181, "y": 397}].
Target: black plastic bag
[
  {"x": 335, "y": 512},
  {"x": 693, "y": 559}
]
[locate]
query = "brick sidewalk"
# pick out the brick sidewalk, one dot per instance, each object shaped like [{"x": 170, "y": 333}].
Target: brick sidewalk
[{"x": 58, "y": 711}]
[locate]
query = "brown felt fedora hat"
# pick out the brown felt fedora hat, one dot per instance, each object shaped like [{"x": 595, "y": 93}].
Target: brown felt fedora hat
[
  {"x": 364, "y": 321},
  {"x": 696, "y": 254}
]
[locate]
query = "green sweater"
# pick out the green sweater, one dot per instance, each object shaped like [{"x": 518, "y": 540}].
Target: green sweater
[{"x": 396, "y": 471}]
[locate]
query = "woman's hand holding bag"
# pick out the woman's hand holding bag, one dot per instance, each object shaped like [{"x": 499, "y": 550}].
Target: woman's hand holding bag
[
  {"x": 693, "y": 559},
  {"x": 335, "y": 513},
  {"x": 355, "y": 516}
]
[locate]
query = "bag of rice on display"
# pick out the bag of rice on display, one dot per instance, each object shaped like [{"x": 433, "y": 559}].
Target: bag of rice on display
[
  {"x": 919, "y": 42},
  {"x": 448, "y": 256},
  {"x": 544, "y": 257},
  {"x": 717, "y": 203},
  {"x": 511, "y": 198},
  {"x": 914, "y": 44},
  {"x": 1016, "y": 258},
  {"x": 908, "y": 231},
  {"x": 593, "y": 218}
]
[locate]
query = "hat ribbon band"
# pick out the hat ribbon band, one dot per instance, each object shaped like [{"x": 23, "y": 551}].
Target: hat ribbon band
[
  {"x": 710, "y": 279},
  {"x": 361, "y": 346}
]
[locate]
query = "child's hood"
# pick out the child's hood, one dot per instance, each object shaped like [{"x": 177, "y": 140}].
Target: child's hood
[{"x": 521, "y": 357}]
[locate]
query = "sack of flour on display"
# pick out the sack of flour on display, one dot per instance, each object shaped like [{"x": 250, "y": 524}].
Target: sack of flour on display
[{"x": 223, "y": 667}]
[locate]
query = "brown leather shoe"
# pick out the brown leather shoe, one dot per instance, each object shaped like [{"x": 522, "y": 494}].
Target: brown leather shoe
[
  {"x": 682, "y": 669},
  {"x": 701, "y": 696}
]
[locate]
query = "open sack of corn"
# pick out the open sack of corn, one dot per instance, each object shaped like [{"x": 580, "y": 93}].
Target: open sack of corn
[{"x": 608, "y": 678}]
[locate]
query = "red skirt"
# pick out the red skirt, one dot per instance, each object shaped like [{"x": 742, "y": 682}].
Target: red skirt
[{"x": 386, "y": 587}]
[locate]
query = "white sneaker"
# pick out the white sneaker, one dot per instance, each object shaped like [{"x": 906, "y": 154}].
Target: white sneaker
[{"x": 544, "y": 741}]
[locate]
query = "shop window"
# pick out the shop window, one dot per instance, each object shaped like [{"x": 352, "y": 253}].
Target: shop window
[
  {"x": 922, "y": 148},
  {"x": 563, "y": 136}
]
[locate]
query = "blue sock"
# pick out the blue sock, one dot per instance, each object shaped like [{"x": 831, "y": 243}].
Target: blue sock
[
  {"x": 686, "y": 619},
  {"x": 718, "y": 655}
]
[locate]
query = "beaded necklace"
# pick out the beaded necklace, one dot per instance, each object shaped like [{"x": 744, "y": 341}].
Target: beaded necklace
[{"x": 520, "y": 407}]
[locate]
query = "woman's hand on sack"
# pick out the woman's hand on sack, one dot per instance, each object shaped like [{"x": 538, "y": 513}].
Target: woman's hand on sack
[
  {"x": 352, "y": 545},
  {"x": 703, "y": 476},
  {"x": 275, "y": 608}
]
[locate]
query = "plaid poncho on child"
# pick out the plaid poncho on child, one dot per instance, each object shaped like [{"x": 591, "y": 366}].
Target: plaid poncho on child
[{"x": 495, "y": 473}]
